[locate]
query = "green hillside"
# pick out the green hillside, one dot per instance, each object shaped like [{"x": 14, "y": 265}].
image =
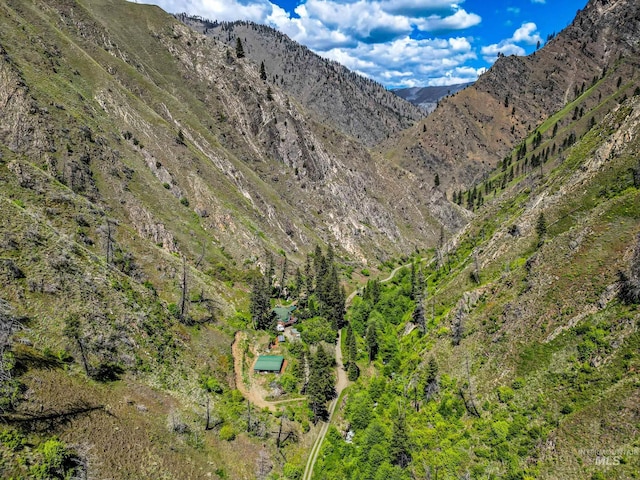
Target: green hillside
[
  {"x": 516, "y": 354},
  {"x": 160, "y": 203}
]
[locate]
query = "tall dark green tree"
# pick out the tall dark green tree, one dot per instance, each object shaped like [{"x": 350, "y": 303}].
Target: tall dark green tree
[
  {"x": 308, "y": 276},
  {"x": 418, "y": 314},
  {"x": 431, "y": 379},
  {"x": 541, "y": 228},
  {"x": 320, "y": 388},
  {"x": 372, "y": 341},
  {"x": 263, "y": 72},
  {"x": 352, "y": 350},
  {"x": 239, "y": 48},
  {"x": 261, "y": 313},
  {"x": 399, "y": 448}
]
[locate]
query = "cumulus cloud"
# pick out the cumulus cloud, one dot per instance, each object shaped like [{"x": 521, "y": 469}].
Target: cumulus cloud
[
  {"x": 224, "y": 10},
  {"x": 458, "y": 21},
  {"x": 372, "y": 37},
  {"x": 411, "y": 62},
  {"x": 527, "y": 34}
]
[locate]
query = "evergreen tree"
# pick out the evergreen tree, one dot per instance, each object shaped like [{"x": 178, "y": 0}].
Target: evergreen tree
[
  {"x": 352, "y": 369},
  {"x": 418, "y": 315},
  {"x": 263, "y": 73},
  {"x": 239, "y": 48},
  {"x": 299, "y": 283},
  {"x": 309, "y": 277},
  {"x": 372, "y": 341},
  {"x": 320, "y": 388},
  {"x": 541, "y": 228},
  {"x": 260, "y": 307},
  {"x": 436, "y": 180},
  {"x": 399, "y": 448},
  {"x": 431, "y": 379}
]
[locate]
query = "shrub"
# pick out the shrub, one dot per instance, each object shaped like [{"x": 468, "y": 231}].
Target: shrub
[
  {"x": 292, "y": 472},
  {"x": 227, "y": 433},
  {"x": 505, "y": 394}
]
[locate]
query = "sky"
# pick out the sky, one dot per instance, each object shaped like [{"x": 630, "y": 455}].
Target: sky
[{"x": 401, "y": 43}]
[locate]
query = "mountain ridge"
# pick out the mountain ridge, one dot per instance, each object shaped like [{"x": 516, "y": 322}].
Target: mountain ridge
[{"x": 357, "y": 106}]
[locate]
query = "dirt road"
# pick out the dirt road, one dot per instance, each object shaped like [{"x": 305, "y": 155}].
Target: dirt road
[
  {"x": 342, "y": 382},
  {"x": 252, "y": 393}
]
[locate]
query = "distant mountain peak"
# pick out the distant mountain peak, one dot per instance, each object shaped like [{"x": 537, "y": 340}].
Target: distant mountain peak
[{"x": 427, "y": 98}]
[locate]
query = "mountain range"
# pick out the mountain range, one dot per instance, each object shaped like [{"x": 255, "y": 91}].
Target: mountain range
[{"x": 152, "y": 173}]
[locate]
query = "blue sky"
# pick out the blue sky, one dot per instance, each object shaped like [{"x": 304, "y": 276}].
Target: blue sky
[{"x": 401, "y": 43}]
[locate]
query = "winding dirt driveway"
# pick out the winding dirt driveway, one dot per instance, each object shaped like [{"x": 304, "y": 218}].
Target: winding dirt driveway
[{"x": 254, "y": 394}]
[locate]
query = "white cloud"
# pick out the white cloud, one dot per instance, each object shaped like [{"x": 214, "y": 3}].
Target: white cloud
[
  {"x": 527, "y": 33},
  {"x": 371, "y": 37},
  {"x": 225, "y": 10},
  {"x": 411, "y": 62},
  {"x": 458, "y": 21}
]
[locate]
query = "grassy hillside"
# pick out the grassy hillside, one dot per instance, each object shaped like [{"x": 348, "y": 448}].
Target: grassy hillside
[{"x": 511, "y": 355}]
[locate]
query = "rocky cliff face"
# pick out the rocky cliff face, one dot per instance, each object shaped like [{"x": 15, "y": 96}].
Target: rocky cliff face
[
  {"x": 157, "y": 104},
  {"x": 470, "y": 132},
  {"x": 354, "y": 105}
]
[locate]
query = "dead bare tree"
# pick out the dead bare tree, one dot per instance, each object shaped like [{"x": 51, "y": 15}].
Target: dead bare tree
[
  {"x": 458, "y": 326},
  {"x": 109, "y": 246},
  {"x": 263, "y": 465},
  {"x": 73, "y": 331},
  {"x": 469, "y": 401},
  {"x": 201, "y": 257},
  {"x": 183, "y": 290}
]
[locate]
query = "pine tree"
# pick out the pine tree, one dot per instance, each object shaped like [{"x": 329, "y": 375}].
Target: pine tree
[
  {"x": 431, "y": 379},
  {"x": 399, "y": 446},
  {"x": 263, "y": 73},
  {"x": 352, "y": 369},
  {"x": 261, "y": 313},
  {"x": 372, "y": 341},
  {"x": 239, "y": 48},
  {"x": 320, "y": 388},
  {"x": 418, "y": 315},
  {"x": 541, "y": 228},
  {"x": 309, "y": 277}
]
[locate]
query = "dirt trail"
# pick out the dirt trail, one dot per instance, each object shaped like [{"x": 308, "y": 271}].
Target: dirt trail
[
  {"x": 254, "y": 394},
  {"x": 341, "y": 383}
]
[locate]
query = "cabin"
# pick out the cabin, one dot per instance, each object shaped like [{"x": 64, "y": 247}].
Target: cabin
[
  {"x": 284, "y": 317},
  {"x": 269, "y": 364}
]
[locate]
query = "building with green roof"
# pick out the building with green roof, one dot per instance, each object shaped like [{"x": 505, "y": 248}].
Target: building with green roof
[
  {"x": 284, "y": 314},
  {"x": 269, "y": 363}
]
